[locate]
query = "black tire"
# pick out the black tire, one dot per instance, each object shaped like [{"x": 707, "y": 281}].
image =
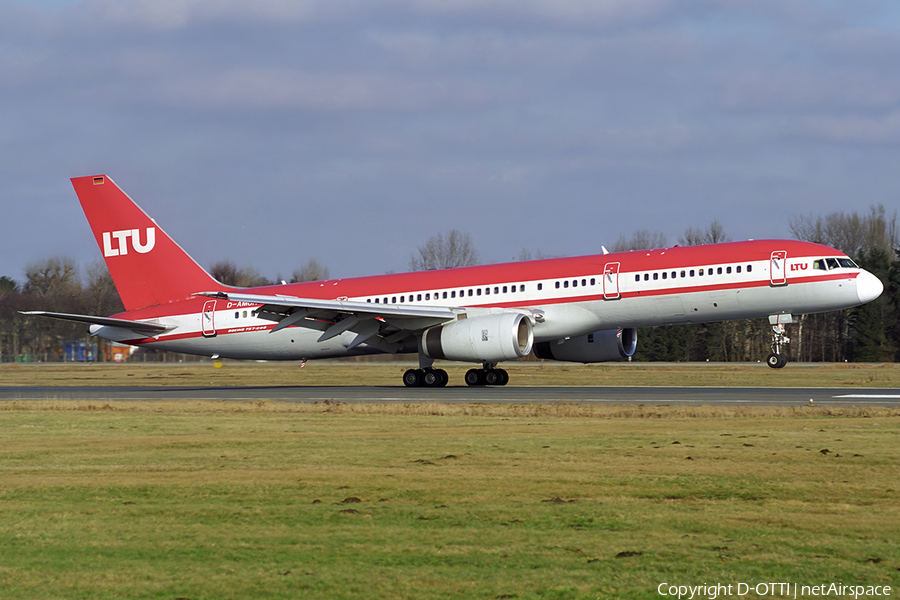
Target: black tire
[
  {"x": 782, "y": 361},
  {"x": 774, "y": 360},
  {"x": 504, "y": 376},
  {"x": 413, "y": 378},
  {"x": 434, "y": 378},
  {"x": 475, "y": 377},
  {"x": 493, "y": 377}
]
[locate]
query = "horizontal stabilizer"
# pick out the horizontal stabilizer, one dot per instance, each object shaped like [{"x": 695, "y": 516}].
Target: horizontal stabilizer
[{"x": 141, "y": 327}]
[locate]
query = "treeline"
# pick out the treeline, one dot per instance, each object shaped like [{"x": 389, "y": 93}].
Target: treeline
[
  {"x": 869, "y": 333},
  {"x": 56, "y": 285}
]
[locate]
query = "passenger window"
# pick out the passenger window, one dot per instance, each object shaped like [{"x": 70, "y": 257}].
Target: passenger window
[
  {"x": 655, "y": 276},
  {"x": 566, "y": 283},
  {"x": 646, "y": 276},
  {"x": 445, "y": 295},
  {"x": 452, "y": 294},
  {"x": 719, "y": 271},
  {"x": 237, "y": 315},
  {"x": 393, "y": 299},
  {"x": 402, "y": 298},
  {"x": 376, "y": 301},
  {"x": 682, "y": 274},
  {"x": 504, "y": 289},
  {"x": 593, "y": 281},
  {"x": 574, "y": 283},
  {"x": 749, "y": 268},
  {"x": 739, "y": 268},
  {"x": 701, "y": 272},
  {"x": 583, "y": 282},
  {"x": 692, "y": 272},
  {"x": 497, "y": 290},
  {"x": 419, "y": 298},
  {"x": 637, "y": 277},
  {"x": 665, "y": 275},
  {"x": 728, "y": 270},
  {"x": 470, "y": 293},
  {"x": 674, "y": 274},
  {"x": 487, "y": 291},
  {"x": 557, "y": 285}
]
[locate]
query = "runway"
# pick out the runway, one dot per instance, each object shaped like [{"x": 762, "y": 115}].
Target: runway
[{"x": 681, "y": 396}]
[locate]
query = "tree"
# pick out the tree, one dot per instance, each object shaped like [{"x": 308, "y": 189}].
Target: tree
[
  {"x": 226, "y": 272},
  {"x": 713, "y": 234},
  {"x": 642, "y": 239},
  {"x": 439, "y": 252},
  {"x": 853, "y": 234},
  {"x": 313, "y": 270},
  {"x": 51, "y": 284}
]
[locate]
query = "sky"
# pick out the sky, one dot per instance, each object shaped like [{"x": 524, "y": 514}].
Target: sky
[{"x": 272, "y": 132}]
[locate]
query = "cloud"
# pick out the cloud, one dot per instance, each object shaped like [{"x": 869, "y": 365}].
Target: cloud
[
  {"x": 879, "y": 130},
  {"x": 374, "y": 121}
]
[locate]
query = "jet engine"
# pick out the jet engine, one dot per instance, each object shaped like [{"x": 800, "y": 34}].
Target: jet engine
[
  {"x": 485, "y": 339},
  {"x": 600, "y": 346}
]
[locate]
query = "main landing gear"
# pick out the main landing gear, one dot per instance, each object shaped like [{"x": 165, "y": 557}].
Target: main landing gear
[
  {"x": 488, "y": 375},
  {"x": 425, "y": 377},
  {"x": 776, "y": 359},
  {"x": 429, "y": 377}
]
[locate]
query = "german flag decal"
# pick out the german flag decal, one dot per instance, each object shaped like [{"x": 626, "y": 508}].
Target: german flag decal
[{"x": 99, "y": 180}]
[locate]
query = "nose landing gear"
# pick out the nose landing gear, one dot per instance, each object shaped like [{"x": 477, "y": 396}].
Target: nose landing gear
[{"x": 776, "y": 359}]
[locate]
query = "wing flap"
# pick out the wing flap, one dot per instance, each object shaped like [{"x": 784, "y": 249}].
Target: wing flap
[{"x": 309, "y": 312}]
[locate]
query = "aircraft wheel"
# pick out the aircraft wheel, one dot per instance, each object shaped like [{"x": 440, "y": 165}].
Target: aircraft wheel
[
  {"x": 493, "y": 377},
  {"x": 475, "y": 377},
  {"x": 776, "y": 361},
  {"x": 504, "y": 377},
  {"x": 413, "y": 378},
  {"x": 434, "y": 378}
]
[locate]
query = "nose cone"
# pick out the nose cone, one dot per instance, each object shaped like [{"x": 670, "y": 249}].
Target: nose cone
[{"x": 868, "y": 287}]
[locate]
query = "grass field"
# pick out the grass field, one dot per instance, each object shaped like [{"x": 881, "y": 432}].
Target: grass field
[
  {"x": 281, "y": 500},
  {"x": 426, "y": 500}
]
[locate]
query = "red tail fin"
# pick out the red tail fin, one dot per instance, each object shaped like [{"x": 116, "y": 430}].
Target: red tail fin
[{"x": 146, "y": 265}]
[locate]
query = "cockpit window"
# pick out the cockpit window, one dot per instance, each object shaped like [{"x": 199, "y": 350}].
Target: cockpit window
[
  {"x": 820, "y": 264},
  {"x": 832, "y": 263},
  {"x": 847, "y": 263}
]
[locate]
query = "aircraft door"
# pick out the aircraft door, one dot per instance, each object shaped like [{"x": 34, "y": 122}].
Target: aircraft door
[
  {"x": 208, "y": 319},
  {"x": 611, "y": 281},
  {"x": 778, "y": 268}
]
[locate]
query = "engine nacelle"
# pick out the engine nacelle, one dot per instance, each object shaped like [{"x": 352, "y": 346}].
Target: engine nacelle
[
  {"x": 486, "y": 339},
  {"x": 600, "y": 346}
]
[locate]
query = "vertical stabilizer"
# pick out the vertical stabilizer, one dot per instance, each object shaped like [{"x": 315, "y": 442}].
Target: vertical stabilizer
[{"x": 147, "y": 267}]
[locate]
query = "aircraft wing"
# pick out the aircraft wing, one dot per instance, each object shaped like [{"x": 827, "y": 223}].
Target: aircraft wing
[
  {"x": 139, "y": 327},
  {"x": 334, "y": 317}
]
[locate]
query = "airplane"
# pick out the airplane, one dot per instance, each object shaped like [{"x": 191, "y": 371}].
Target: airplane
[{"x": 583, "y": 309}]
